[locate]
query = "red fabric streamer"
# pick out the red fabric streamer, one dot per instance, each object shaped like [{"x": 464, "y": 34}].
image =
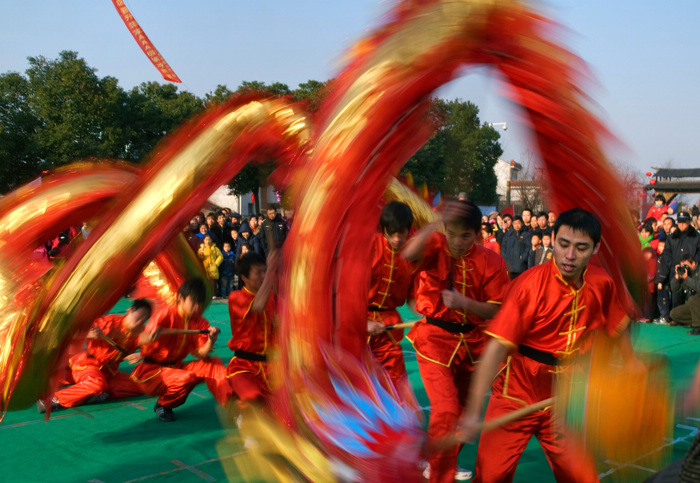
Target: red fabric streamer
[{"x": 144, "y": 42}]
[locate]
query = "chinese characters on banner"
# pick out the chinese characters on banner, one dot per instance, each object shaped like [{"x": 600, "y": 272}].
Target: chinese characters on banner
[{"x": 144, "y": 42}]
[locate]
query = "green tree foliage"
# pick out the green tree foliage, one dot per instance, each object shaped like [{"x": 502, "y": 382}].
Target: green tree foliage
[
  {"x": 313, "y": 92},
  {"x": 61, "y": 111},
  {"x": 254, "y": 176},
  {"x": 153, "y": 110},
  {"x": 19, "y": 158},
  {"x": 461, "y": 156},
  {"x": 78, "y": 110}
]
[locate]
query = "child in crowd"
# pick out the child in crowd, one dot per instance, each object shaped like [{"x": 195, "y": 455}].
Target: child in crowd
[
  {"x": 211, "y": 257},
  {"x": 227, "y": 271},
  {"x": 546, "y": 249},
  {"x": 646, "y": 237},
  {"x": 489, "y": 238},
  {"x": 244, "y": 249},
  {"x": 536, "y": 242},
  {"x": 650, "y": 260}
]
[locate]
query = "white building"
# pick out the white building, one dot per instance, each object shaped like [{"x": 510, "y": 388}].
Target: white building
[
  {"x": 243, "y": 204},
  {"x": 506, "y": 172}
]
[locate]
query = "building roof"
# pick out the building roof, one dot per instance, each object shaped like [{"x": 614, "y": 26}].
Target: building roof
[{"x": 677, "y": 173}]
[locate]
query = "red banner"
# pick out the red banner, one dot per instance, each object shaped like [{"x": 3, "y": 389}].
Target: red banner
[{"x": 144, "y": 42}]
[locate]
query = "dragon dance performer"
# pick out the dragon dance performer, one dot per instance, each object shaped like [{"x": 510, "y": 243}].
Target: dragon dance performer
[
  {"x": 95, "y": 371},
  {"x": 460, "y": 287},
  {"x": 546, "y": 312},
  {"x": 390, "y": 281},
  {"x": 252, "y": 310},
  {"x": 163, "y": 372}
]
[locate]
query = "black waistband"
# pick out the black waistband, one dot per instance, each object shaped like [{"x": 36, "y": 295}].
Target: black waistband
[
  {"x": 148, "y": 360},
  {"x": 372, "y": 308},
  {"x": 450, "y": 326},
  {"x": 538, "y": 355},
  {"x": 250, "y": 356}
]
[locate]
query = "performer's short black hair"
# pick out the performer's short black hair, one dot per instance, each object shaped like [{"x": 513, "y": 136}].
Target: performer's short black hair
[
  {"x": 580, "y": 220},
  {"x": 542, "y": 213},
  {"x": 142, "y": 304},
  {"x": 660, "y": 197},
  {"x": 464, "y": 213},
  {"x": 248, "y": 261},
  {"x": 396, "y": 217},
  {"x": 195, "y": 288}
]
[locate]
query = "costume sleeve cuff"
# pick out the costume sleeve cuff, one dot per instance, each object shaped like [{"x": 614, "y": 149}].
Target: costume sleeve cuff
[
  {"x": 510, "y": 345},
  {"x": 620, "y": 327}
]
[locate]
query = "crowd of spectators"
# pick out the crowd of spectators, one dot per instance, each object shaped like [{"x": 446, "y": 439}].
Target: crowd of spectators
[
  {"x": 523, "y": 240},
  {"x": 671, "y": 246},
  {"x": 221, "y": 238}
]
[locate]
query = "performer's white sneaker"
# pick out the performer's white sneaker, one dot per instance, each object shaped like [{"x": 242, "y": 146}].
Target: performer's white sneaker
[{"x": 460, "y": 475}]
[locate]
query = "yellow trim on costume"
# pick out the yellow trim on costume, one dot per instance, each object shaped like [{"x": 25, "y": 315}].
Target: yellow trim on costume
[
  {"x": 251, "y": 303},
  {"x": 449, "y": 363},
  {"x": 142, "y": 381},
  {"x": 82, "y": 368},
  {"x": 505, "y": 384},
  {"x": 494, "y": 302},
  {"x": 502, "y": 340},
  {"x": 390, "y": 280}
]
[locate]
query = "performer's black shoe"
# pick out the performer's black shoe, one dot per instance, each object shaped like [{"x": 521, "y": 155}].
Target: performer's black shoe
[
  {"x": 164, "y": 414},
  {"x": 41, "y": 406},
  {"x": 695, "y": 331}
]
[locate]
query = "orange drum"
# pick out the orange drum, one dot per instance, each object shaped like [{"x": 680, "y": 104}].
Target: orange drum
[{"x": 622, "y": 415}]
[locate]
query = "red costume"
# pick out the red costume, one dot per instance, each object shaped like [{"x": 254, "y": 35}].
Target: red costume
[
  {"x": 96, "y": 370},
  {"x": 163, "y": 372},
  {"x": 449, "y": 342},
  {"x": 492, "y": 244},
  {"x": 390, "y": 281},
  {"x": 542, "y": 318},
  {"x": 656, "y": 212},
  {"x": 252, "y": 337}
]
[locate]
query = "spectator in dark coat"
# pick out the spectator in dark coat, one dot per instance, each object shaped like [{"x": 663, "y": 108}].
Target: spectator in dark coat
[
  {"x": 253, "y": 241},
  {"x": 275, "y": 229},
  {"x": 515, "y": 248},
  {"x": 220, "y": 230},
  {"x": 685, "y": 240}
]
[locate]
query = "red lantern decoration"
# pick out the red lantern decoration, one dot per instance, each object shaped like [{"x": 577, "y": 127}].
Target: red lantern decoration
[
  {"x": 648, "y": 173},
  {"x": 642, "y": 195},
  {"x": 653, "y": 181}
]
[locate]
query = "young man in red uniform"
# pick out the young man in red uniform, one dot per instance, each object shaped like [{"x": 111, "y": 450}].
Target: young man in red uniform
[
  {"x": 391, "y": 278},
  {"x": 546, "y": 312},
  {"x": 252, "y": 312},
  {"x": 163, "y": 372},
  {"x": 95, "y": 372},
  {"x": 459, "y": 289}
]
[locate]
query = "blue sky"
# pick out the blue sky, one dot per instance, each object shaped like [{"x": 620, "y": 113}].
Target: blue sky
[{"x": 645, "y": 55}]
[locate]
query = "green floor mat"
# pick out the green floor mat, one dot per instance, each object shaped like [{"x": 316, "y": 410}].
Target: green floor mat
[{"x": 122, "y": 441}]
